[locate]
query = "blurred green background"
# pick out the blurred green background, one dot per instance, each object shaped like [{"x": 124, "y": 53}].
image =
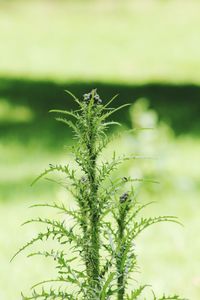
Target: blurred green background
[{"x": 147, "y": 49}]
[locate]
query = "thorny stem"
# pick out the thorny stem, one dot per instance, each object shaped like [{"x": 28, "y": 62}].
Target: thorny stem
[
  {"x": 94, "y": 226},
  {"x": 123, "y": 209},
  {"x": 93, "y": 203}
]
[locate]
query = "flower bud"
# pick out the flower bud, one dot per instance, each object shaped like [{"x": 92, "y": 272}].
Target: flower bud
[
  {"x": 123, "y": 197},
  {"x": 83, "y": 179},
  {"x": 87, "y": 97}
]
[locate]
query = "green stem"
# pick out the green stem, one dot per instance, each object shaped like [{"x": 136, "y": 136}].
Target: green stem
[
  {"x": 94, "y": 244},
  {"x": 120, "y": 268},
  {"x": 94, "y": 226}
]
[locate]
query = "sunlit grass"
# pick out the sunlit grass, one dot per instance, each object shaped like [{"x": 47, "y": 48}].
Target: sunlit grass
[
  {"x": 14, "y": 113},
  {"x": 116, "y": 41}
]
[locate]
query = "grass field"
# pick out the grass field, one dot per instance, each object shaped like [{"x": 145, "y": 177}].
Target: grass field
[
  {"x": 137, "y": 49},
  {"x": 121, "y": 41}
]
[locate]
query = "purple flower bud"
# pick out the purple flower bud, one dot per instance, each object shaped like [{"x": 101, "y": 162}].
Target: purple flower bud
[
  {"x": 123, "y": 197},
  {"x": 96, "y": 97},
  {"x": 87, "y": 97},
  {"x": 83, "y": 179}
]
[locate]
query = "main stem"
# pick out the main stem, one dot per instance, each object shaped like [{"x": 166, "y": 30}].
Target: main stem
[
  {"x": 94, "y": 225},
  {"x": 94, "y": 212}
]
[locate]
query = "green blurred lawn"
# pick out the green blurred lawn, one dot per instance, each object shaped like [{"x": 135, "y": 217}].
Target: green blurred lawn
[
  {"x": 121, "y": 41},
  {"x": 120, "y": 46}
]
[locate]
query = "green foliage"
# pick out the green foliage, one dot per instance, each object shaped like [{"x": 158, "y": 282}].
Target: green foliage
[{"x": 101, "y": 230}]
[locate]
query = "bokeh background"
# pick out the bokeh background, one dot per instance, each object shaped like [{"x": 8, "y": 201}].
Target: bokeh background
[{"x": 148, "y": 52}]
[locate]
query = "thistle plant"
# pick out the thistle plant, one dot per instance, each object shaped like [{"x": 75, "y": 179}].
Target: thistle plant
[{"x": 96, "y": 257}]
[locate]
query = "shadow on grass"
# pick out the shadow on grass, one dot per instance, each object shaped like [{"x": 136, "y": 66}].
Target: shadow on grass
[{"x": 178, "y": 105}]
